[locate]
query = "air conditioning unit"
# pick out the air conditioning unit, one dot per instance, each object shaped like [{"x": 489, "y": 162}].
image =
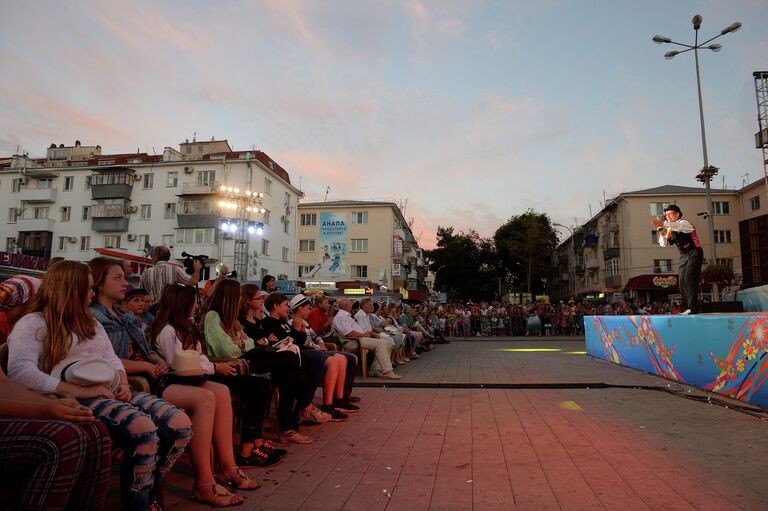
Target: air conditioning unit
[
  {"x": 284, "y": 219},
  {"x": 136, "y": 177},
  {"x": 131, "y": 237},
  {"x": 188, "y": 170},
  {"x": 63, "y": 208},
  {"x": 72, "y": 239},
  {"x": 132, "y": 209}
]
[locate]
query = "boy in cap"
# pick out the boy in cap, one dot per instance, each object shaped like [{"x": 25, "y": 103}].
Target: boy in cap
[{"x": 675, "y": 230}]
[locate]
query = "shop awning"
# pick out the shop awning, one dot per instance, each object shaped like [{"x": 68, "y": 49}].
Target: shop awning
[{"x": 652, "y": 282}]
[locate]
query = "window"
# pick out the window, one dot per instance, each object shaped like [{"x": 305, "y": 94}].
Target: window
[
  {"x": 264, "y": 247},
  {"x": 59, "y": 154},
  {"x": 287, "y": 199},
  {"x": 143, "y": 240},
  {"x": 266, "y": 217},
  {"x": 725, "y": 261},
  {"x": 172, "y": 179},
  {"x": 10, "y": 244},
  {"x": 655, "y": 237},
  {"x": 85, "y": 243},
  {"x": 306, "y": 245},
  {"x": 63, "y": 243},
  {"x": 285, "y": 254},
  {"x": 199, "y": 149},
  {"x": 359, "y": 217},
  {"x": 189, "y": 149},
  {"x": 267, "y": 186},
  {"x": 16, "y": 185},
  {"x": 88, "y": 182},
  {"x": 286, "y": 225},
  {"x": 359, "y": 245},
  {"x": 44, "y": 184},
  {"x": 722, "y": 207},
  {"x": 723, "y": 236},
  {"x": 206, "y": 177},
  {"x": 112, "y": 241},
  {"x": 170, "y": 210},
  {"x": 69, "y": 183},
  {"x": 66, "y": 213},
  {"x": 146, "y": 211},
  {"x": 86, "y": 213},
  {"x": 40, "y": 213},
  {"x": 612, "y": 267},
  {"x": 754, "y": 203},
  {"x": 168, "y": 240},
  {"x": 359, "y": 271},
  {"x": 305, "y": 271},
  {"x": 13, "y": 215},
  {"x": 662, "y": 265},
  {"x": 308, "y": 219},
  {"x": 149, "y": 180},
  {"x": 657, "y": 208},
  {"x": 195, "y": 236},
  {"x": 264, "y": 272}
]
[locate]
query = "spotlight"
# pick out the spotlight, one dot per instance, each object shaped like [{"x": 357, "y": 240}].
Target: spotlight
[
  {"x": 224, "y": 226},
  {"x": 229, "y": 188},
  {"x": 261, "y": 195},
  {"x": 248, "y": 209},
  {"x": 223, "y": 188},
  {"x": 263, "y": 210},
  {"x": 259, "y": 231},
  {"x": 237, "y": 190},
  {"x": 221, "y": 203},
  {"x": 233, "y": 227},
  {"x": 247, "y": 193},
  {"x": 251, "y": 229}
]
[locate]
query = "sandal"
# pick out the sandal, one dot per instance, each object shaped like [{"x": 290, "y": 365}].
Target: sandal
[
  {"x": 221, "y": 496},
  {"x": 240, "y": 482}
]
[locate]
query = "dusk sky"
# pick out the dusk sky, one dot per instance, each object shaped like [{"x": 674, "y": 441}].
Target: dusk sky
[{"x": 473, "y": 111}]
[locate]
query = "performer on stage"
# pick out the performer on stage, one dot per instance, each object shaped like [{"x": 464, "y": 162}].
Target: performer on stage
[{"x": 677, "y": 231}]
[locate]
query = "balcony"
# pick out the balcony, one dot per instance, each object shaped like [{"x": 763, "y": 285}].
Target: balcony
[
  {"x": 579, "y": 269},
  {"x": 610, "y": 253},
  {"x": 613, "y": 281},
  {"x": 38, "y": 194},
  {"x": 209, "y": 249},
  {"x": 112, "y": 184},
  {"x": 204, "y": 188},
  {"x": 109, "y": 217},
  {"x": 592, "y": 264},
  {"x": 35, "y": 224},
  {"x": 198, "y": 214}
]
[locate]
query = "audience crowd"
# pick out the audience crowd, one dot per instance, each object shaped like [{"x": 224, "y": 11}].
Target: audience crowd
[{"x": 95, "y": 371}]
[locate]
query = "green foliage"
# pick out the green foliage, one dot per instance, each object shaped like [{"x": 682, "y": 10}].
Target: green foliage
[{"x": 717, "y": 274}]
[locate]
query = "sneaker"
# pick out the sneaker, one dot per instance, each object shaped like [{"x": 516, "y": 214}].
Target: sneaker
[
  {"x": 270, "y": 448},
  {"x": 313, "y": 416},
  {"x": 375, "y": 373},
  {"x": 293, "y": 437},
  {"x": 345, "y": 406},
  {"x": 392, "y": 376},
  {"x": 686, "y": 311},
  {"x": 256, "y": 459},
  {"x": 336, "y": 415},
  {"x": 351, "y": 399}
]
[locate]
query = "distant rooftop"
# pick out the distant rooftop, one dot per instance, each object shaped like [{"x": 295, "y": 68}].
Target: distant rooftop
[
  {"x": 676, "y": 190},
  {"x": 345, "y": 203}
]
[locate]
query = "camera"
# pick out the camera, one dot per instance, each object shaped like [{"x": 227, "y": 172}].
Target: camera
[
  {"x": 189, "y": 260},
  {"x": 231, "y": 275}
]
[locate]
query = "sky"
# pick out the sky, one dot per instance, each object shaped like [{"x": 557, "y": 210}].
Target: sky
[{"x": 466, "y": 112}]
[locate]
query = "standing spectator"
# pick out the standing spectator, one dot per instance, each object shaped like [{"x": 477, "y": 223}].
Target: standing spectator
[{"x": 155, "y": 278}]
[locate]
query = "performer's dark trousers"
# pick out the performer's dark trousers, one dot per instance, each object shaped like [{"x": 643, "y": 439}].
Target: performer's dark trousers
[{"x": 690, "y": 271}]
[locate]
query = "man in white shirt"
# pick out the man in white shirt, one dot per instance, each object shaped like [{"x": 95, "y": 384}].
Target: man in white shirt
[{"x": 352, "y": 332}]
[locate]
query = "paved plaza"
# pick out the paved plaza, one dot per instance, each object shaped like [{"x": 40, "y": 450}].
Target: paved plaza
[{"x": 527, "y": 424}]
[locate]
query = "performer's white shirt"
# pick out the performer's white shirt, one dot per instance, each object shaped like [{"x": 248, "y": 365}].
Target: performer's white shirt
[{"x": 681, "y": 225}]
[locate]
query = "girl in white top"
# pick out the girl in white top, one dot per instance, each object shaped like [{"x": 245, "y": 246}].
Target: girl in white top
[{"x": 209, "y": 403}]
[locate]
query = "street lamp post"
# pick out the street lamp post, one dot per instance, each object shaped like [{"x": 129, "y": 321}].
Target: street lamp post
[{"x": 708, "y": 172}]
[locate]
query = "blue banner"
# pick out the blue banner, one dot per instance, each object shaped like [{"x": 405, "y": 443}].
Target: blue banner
[{"x": 333, "y": 246}]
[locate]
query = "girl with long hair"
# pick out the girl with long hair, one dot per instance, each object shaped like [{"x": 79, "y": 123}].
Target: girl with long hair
[
  {"x": 151, "y": 432},
  {"x": 209, "y": 403},
  {"x": 225, "y": 339}
]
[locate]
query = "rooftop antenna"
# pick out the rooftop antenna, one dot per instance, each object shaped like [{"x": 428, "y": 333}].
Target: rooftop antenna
[
  {"x": 327, "y": 189},
  {"x": 194, "y": 137},
  {"x": 300, "y": 183},
  {"x": 153, "y": 151},
  {"x": 590, "y": 211},
  {"x": 745, "y": 182}
]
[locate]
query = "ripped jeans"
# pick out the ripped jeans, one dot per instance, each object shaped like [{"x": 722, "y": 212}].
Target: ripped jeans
[{"x": 152, "y": 434}]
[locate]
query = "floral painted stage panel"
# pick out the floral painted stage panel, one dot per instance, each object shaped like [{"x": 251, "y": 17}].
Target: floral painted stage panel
[{"x": 723, "y": 353}]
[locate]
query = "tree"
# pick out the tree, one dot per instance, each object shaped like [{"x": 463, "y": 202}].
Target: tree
[
  {"x": 465, "y": 265},
  {"x": 524, "y": 246}
]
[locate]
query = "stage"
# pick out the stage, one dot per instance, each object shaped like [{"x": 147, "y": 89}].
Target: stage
[{"x": 722, "y": 353}]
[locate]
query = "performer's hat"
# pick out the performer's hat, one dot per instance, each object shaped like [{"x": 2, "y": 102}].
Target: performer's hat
[{"x": 673, "y": 207}]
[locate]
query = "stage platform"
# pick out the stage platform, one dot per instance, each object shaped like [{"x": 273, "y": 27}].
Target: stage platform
[{"x": 722, "y": 353}]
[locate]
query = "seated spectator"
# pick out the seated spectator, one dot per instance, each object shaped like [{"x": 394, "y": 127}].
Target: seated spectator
[
  {"x": 16, "y": 296},
  {"x": 363, "y": 318},
  {"x": 334, "y": 374},
  {"x": 409, "y": 325},
  {"x": 59, "y": 331},
  {"x": 226, "y": 340},
  {"x": 312, "y": 362},
  {"x": 134, "y": 302},
  {"x": 54, "y": 454},
  {"x": 175, "y": 336},
  {"x": 347, "y": 327},
  {"x": 282, "y": 366}
]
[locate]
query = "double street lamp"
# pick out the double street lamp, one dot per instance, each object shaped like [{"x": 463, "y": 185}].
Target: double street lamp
[{"x": 708, "y": 172}]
